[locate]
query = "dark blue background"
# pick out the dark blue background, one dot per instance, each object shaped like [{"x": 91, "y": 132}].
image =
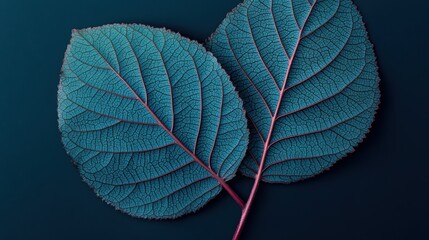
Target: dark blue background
[{"x": 379, "y": 192}]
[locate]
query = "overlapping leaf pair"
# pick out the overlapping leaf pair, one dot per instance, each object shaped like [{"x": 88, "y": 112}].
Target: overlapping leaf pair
[{"x": 155, "y": 124}]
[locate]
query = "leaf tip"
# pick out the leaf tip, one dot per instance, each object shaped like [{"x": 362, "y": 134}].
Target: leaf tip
[{"x": 75, "y": 31}]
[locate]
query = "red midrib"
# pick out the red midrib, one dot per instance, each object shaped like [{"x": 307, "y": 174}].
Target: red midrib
[
  {"x": 268, "y": 140},
  {"x": 282, "y": 91},
  {"x": 176, "y": 140}
]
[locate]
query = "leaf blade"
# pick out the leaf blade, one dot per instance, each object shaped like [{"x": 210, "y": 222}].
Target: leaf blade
[
  {"x": 133, "y": 102},
  {"x": 322, "y": 51}
]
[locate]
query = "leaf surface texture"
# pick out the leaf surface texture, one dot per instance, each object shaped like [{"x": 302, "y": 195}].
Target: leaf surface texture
[
  {"x": 307, "y": 74},
  {"x": 150, "y": 119}
]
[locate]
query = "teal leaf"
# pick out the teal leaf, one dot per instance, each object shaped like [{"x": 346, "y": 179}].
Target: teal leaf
[
  {"x": 150, "y": 118},
  {"x": 307, "y": 74}
]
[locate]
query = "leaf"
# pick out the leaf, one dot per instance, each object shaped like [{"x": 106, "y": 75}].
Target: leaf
[
  {"x": 150, "y": 118},
  {"x": 307, "y": 74}
]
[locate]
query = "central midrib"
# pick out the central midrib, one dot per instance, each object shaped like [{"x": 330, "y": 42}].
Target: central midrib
[
  {"x": 161, "y": 124},
  {"x": 282, "y": 91},
  {"x": 267, "y": 142}
]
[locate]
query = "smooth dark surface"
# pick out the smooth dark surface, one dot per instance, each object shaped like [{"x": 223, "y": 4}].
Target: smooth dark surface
[{"x": 378, "y": 192}]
